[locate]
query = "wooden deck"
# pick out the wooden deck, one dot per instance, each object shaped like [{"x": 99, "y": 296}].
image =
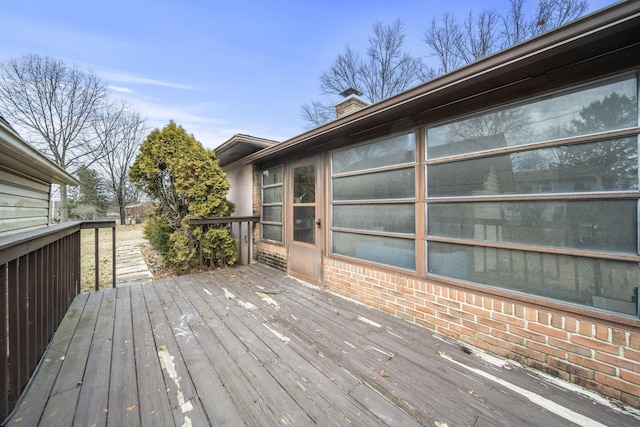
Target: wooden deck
[{"x": 251, "y": 346}]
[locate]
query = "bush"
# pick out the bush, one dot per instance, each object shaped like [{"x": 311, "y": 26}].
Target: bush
[{"x": 157, "y": 232}]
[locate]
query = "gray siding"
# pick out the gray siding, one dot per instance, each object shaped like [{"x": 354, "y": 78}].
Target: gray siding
[{"x": 24, "y": 202}]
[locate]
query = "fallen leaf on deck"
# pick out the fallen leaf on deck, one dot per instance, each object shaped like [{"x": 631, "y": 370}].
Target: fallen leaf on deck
[
  {"x": 384, "y": 373},
  {"x": 132, "y": 407},
  {"x": 61, "y": 358},
  {"x": 154, "y": 413},
  {"x": 18, "y": 420}
]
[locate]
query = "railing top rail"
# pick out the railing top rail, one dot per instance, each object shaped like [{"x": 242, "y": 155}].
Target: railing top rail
[
  {"x": 19, "y": 244},
  {"x": 98, "y": 223},
  {"x": 223, "y": 219}
]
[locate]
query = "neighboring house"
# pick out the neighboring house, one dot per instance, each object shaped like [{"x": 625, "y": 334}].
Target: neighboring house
[
  {"x": 496, "y": 204},
  {"x": 25, "y": 183}
]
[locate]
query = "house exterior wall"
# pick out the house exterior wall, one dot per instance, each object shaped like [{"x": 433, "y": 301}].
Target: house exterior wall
[
  {"x": 24, "y": 202},
  {"x": 519, "y": 245},
  {"x": 240, "y": 178}
]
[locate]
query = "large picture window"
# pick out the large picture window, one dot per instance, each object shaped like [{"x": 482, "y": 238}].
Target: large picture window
[
  {"x": 373, "y": 195},
  {"x": 541, "y": 197},
  {"x": 272, "y": 204}
]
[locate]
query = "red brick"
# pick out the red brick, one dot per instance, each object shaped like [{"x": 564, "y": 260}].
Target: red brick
[
  {"x": 592, "y": 364},
  {"x": 634, "y": 340},
  {"x": 427, "y": 310},
  {"x": 596, "y": 386},
  {"x": 596, "y": 345},
  {"x": 548, "y": 331},
  {"x": 461, "y": 314},
  {"x": 507, "y": 337},
  {"x": 519, "y": 312},
  {"x": 547, "y": 349},
  {"x": 632, "y": 355},
  {"x": 585, "y": 329},
  {"x": 476, "y": 342},
  {"x": 448, "y": 302},
  {"x": 556, "y": 320},
  {"x": 414, "y": 313},
  {"x": 573, "y": 348},
  {"x": 491, "y": 323},
  {"x": 563, "y": 365},
  {"x": 525, "y": 333},
  {"x": 531, "y": 314},
  {"x": 543, "y": 317},
  {"x": 619, "y": 337},
  {"x": 528, "y": 353},
  {"x": 618, "y": 384},
  {"x": 507, "y": 308},
  {"x": 495, "y": 342},
  {"x": 619, "y": 362},
  {"x": 479, "y": 311},
  {"x": 633, "y": 401},
  {"x": 462, "y": 330},
  {"x": 508, "y": 319},
  {"x": 448, "y": 317},
  {"x": 602, "y": 333},
  {"x": 476, "y": 326},
  {"x": 632, "y": 377}
]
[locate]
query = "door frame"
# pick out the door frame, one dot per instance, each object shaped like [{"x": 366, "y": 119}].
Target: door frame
[{"x": 305, "y": 260}]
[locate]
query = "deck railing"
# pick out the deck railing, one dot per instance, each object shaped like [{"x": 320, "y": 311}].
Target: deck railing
[
  {"x": 39, "y": 278},
  {"x": 241, "y": 229}
]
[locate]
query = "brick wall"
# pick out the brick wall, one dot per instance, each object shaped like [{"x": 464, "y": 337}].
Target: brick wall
[
  {"x": 272, "y": 255},
  {"x": 602, "y": 358}
]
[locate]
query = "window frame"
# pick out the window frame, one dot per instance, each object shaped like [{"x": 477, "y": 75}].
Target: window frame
[
  {"x": 414, "y": 165},
  {"x": 628, "y": 132},
  {"x": 279, "y": 204}
]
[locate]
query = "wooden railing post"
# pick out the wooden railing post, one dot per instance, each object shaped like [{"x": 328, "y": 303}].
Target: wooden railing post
[{"x": 229, "y": 221}]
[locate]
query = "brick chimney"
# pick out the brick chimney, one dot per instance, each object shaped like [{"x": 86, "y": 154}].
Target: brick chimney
[{"x": 351, "y": 103}]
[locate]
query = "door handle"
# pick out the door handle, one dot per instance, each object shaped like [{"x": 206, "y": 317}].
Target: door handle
[{"x": 318, "y": 222}]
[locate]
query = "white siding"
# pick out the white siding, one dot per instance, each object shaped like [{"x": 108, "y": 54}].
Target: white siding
[{"x": 24, "y": 202}]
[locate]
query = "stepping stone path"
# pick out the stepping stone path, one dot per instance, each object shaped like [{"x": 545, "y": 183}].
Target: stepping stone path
[{"x": 131, "y": 269}]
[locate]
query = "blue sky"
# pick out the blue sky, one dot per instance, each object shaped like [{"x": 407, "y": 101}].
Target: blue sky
[{"x": 215, "y": 67}]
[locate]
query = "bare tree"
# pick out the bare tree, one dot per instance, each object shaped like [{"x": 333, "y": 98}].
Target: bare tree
[
  {"x": 444, "y": 41},
  {"x": 54, "y": 103},
  {"x": 385, "y": 69},
  {"x": 481, "y": 36},
  {"x": 554, "y": 13},
  {"x": 389, "y": 69},
  {"x": 120, "y": 132}
]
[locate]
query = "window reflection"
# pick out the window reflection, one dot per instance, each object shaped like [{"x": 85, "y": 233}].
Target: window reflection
[
  {"x": 396, "y": 184},
  {"x": 391, "y": 218},
  {"x": 390, "y": 151},
  {"x": 304, "y": 184},
  {"x": 599, "y": 225},
  {"x": 610, "y": 165},
  {"x": 594, "y": 282},
  {"x": 385, "y": 250},
  {"x": 602, "y": 107}
]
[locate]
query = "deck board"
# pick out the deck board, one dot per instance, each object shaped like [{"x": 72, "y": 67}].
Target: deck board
[{"x": 251, "y": 346}]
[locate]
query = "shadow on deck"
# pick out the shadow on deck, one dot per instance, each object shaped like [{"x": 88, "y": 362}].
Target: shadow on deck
[{"x": 251, "y": 346}]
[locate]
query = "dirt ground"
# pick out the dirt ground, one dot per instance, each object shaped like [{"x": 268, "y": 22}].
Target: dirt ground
[{"x": 124, "y": 234}]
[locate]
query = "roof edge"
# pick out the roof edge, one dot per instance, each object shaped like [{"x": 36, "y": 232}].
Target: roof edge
[{"x": 30, "y": 160}]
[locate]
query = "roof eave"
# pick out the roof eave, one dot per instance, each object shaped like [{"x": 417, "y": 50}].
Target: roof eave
[
  {"x": 499, "y": 62},
  {"x": 22, "y": 157}
]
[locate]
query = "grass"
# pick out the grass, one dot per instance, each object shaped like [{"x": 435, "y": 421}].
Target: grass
[{"x": 124, "y": 234}]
